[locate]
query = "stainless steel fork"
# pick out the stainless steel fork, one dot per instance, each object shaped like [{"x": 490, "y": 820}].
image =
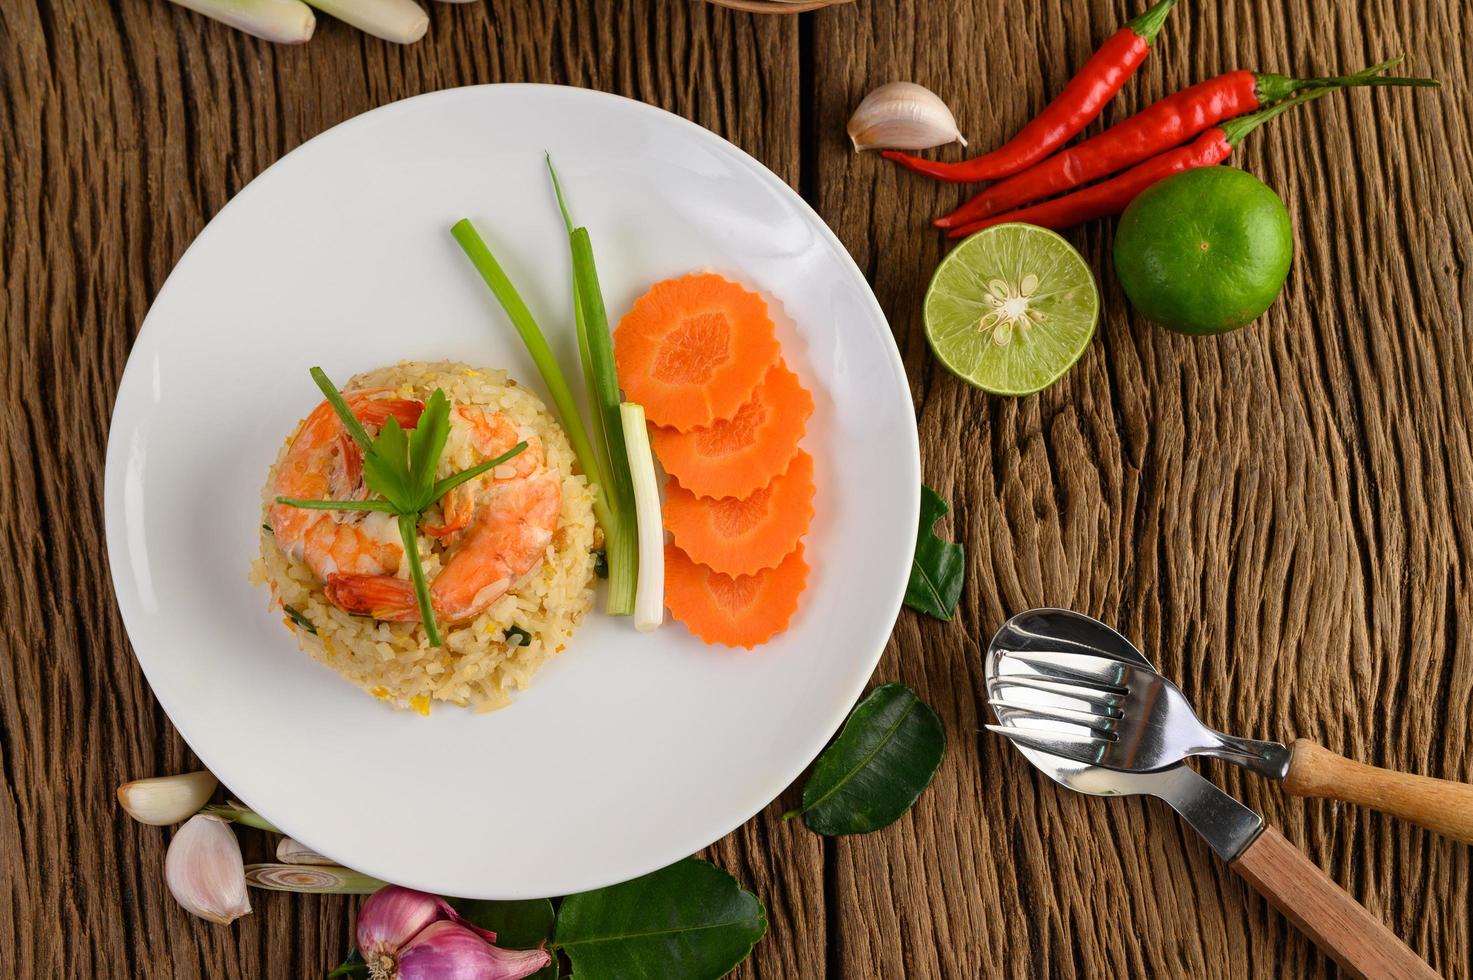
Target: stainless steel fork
[
  {"x": 1128, "y": 717},
  {"x": 1107, "y": 712}
]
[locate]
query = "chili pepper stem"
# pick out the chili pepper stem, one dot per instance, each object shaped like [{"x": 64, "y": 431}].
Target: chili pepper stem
[
  {"x": 1148, "y": 24},
  {"x": 1234, "y": 130},
  {"x": 1271, "y": 87}
]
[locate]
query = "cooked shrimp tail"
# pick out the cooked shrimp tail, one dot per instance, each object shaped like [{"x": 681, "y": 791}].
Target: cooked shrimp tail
[{"x": 380, "y": 596}]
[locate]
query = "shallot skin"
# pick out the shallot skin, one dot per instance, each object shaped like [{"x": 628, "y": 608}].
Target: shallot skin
[{"x": 447, "y": 950}]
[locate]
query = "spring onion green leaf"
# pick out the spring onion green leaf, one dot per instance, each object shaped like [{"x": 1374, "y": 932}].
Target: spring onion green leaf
[
  {"x": 380, "y": 506},
  {"x": 622, "y": 538},
  {"x": 649, "y": 603},
  {"x": 591, "y": 390},
  {"x": 595, "y": 351},
  {"x": 517, "y": 634},
  {"x": 506, "y": 294},
  {"x": 451, "y": 482},
  {"x": 409, "y": 532},
  {"x": 345, "y": 414},
  {"x": 299, "y": 619}
]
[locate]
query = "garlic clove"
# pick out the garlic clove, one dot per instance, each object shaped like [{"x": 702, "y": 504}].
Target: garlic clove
[
  {"x": 205, "y": 871},
  {"x": 164, "y": 800},
  {"x": 448, "y": 949},
  {"x": 902, "y": 116},
  {"x": 290, "y": 851}
]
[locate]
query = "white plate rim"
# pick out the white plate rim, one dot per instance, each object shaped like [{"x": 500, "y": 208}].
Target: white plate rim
[{"x": 907, "y": 455}]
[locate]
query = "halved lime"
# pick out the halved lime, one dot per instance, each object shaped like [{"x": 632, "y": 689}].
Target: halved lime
[{"x": 1011, "y": 309}]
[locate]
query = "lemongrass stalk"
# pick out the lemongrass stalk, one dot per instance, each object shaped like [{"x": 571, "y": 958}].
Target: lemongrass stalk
[
  {"x": 552, "y": 375},
  {"x": 400, "y": 21},
  {"x": 623, "y": 543},
  {"x": 311, "y": 879},
  {"x": 289, "y": 851},
  {"x": 235, "y": 813},
  {"x": 649, "y": 603},
  {"x": 283, "y": 21}
]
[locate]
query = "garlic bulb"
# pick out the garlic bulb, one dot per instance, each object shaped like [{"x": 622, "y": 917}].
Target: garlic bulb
[
  {"x": 166, "y": 799},
  {"x": 205, "y": 871},
  {"x": 903, "y": 116},
  {"x": 289, "y": 851}
]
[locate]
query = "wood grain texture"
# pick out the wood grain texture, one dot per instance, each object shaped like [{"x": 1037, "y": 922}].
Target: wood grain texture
[
  {"x": 1359, "y": 943},
  {"x": 1283, "y": 517},
  {"x": 1437, "y": 804}
]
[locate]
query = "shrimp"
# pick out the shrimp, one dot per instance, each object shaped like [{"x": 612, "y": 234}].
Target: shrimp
[
  {"x": 506, "y": 540},
  {"x": 323, "y": 463},
  {"x": 476, "y": 436}
]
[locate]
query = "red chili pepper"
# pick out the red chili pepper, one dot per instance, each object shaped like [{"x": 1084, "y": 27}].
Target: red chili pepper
[
  {"x": 1159, "y": 127},
  {"x": 1111, "y": 196},
  {"x": 1074, "y": 108}
]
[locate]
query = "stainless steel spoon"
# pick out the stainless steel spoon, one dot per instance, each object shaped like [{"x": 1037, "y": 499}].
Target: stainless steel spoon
[{"x": 1295, "y": 885}]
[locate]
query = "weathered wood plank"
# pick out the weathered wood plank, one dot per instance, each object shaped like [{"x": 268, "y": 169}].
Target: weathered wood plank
[
  {"x": 1281, "y": 516},
  {"x": 126, "y": 127}
]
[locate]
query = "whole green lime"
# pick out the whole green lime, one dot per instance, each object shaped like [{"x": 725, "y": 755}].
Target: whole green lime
[{"x": 1204, "y": 251}]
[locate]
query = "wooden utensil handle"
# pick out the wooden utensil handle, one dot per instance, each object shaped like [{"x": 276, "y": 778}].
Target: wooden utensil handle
[
  {"x": 1437, "y": 804},
  {"x": 1325, "y": 912}
]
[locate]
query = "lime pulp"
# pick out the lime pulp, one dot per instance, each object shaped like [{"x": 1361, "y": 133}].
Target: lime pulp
[{"x": 1011, "y": 309}]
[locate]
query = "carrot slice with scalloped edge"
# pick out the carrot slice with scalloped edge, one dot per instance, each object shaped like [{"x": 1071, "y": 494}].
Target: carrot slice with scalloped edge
[
  {"x": 734, "y": 611},
  {"x": 693, "y": 349},
  {"x": 733, "y": 457},
  {"x": 743, "y": 535}
]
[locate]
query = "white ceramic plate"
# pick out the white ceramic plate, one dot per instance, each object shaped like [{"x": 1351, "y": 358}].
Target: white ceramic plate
[{"x": 629, "y": 751}]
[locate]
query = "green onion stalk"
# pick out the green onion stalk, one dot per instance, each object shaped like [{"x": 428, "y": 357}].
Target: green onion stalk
[
  {"x": 623, "y": 544},
  {"x": 607, "y": 469}
]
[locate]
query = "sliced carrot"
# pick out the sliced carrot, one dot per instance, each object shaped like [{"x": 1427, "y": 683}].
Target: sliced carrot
[
  {"x": 740, "y": 611},
  {"x": 693, "y": 349},
  {"x": 733, "y": 457},
  {"x": 743, "y": 535}
]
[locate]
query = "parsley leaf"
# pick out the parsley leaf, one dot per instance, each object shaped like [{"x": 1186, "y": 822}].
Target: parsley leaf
[
  {"x": 386, "y": 467},
  {"x": 939, "y": 567},
  {"x": 425, "y": 446}
]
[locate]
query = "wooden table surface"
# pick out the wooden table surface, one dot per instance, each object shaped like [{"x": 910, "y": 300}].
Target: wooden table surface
[{"x": 1283, "y": 517}]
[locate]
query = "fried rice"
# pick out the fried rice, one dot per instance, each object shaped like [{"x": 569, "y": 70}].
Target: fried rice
[{"x": 486, "y": 658}]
